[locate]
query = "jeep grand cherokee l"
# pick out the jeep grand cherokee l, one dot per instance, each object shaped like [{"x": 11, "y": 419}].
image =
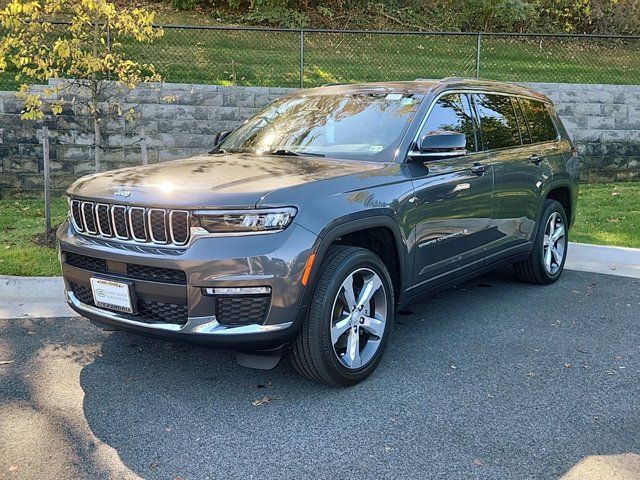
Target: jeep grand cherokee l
[{"x": 314, "y": 221}]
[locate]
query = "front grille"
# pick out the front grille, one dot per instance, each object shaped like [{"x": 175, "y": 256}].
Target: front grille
[
  {"x": 148, "y": 311},
  {"x": 241, "y": 310},
  {"x": 138, "y": 224},
  {"x": 133, "y": 271}
]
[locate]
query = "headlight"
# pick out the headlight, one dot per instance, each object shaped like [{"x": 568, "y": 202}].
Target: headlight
[{"x": 244, "y": 221}]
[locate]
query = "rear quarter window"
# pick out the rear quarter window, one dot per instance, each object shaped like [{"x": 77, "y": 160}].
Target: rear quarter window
[
  {"x": 541, "y": 126},
  {"x": 498, "y": 123}
]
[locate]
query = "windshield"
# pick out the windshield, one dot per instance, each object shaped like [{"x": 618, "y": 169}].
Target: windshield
[{"x": 353, "y": 126}]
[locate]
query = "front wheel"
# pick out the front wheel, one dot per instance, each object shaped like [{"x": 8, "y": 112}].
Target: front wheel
[
  {"x": 546, "y": 263},
  {"x": 342, "y": 340}
]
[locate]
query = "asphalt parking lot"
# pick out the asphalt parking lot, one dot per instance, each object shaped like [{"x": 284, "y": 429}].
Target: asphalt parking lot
[{"x": 492, "y": 379}]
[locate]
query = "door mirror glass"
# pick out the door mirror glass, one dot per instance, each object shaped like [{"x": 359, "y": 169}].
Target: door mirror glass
[{"x": 442, "y": 145}]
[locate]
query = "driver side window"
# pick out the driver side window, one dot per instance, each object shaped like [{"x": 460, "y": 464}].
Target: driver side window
[{"x": 452, "y": 113}]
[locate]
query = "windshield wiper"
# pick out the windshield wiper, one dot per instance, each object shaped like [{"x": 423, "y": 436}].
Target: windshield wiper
[{"x": 285, "y": 151}]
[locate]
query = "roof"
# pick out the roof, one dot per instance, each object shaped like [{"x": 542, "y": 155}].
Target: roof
[{"x": 424, "y": 86}]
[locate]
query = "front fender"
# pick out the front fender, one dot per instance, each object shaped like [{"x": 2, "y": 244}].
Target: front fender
[{"x": 352, "y": 223}]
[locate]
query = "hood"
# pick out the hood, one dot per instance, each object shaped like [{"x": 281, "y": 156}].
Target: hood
[{"x": 232, "y": 180}]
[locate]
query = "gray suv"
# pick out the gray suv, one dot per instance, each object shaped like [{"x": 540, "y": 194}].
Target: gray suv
[{"x": 305, "y": 229}]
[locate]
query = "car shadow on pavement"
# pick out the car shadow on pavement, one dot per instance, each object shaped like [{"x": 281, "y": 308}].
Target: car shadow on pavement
[{"x": 490, "y": 379}]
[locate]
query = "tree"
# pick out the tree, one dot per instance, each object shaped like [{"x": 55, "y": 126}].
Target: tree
[{"x": 89, "y": 51}]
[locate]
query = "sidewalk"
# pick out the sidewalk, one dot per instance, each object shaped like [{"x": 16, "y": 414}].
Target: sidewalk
[{"x": 43, "y": 297}]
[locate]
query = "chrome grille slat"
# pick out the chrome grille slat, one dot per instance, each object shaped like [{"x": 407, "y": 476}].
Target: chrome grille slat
[
  {"x": 131, "y": 223},
  {"x": 120, "y": 224},
  {"x": 76, "y": 215},
  {"x": 89, "y": 218},
  {"x": 157, "y": 218},
  {"x": 138, "y": 224},
  {"x": 179, "y": 234},
  {"x": 103, "y": 220}
]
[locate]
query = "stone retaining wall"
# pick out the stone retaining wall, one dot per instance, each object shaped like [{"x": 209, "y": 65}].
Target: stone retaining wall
[{"x": 180, "y": 120}]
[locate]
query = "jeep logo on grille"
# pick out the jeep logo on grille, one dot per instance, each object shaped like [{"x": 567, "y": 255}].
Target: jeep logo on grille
[{"x": 122, "y": 193}]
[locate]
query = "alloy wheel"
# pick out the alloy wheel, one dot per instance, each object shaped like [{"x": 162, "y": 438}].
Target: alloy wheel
[
  {"x": 555, "y": 243},
  {"x": 359, "y": 316}
]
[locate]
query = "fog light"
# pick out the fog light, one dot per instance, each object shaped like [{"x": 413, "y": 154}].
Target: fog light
[{"x": 238, "y": 291}]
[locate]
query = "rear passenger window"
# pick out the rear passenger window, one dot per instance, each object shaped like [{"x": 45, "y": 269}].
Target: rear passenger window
[
  {"x": 452, "y": 113},
  {"x": 498, "y": 123},
  {"x": 522, "y": 123},
  {"x": 540, "y": 123}
]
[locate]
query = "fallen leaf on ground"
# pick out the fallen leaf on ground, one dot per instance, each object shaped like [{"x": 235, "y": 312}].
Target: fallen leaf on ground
[
  {"x": 6, "y": 362},
  {"x": 262, "y": 401}
]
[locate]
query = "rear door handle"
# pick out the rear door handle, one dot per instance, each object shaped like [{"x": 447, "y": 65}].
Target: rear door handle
[
  {"x": 535, "y": 158},
  {"x": 479, "y": 169}
]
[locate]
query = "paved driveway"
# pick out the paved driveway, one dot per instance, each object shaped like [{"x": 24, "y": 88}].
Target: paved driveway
[{"x": 493, "y": 379}]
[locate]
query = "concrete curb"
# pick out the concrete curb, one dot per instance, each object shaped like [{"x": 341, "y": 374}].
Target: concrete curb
[
  {"x": 620, "y": 261},
  {"x": 43, "y": 297},
  {"x": 35, "y": 297}
]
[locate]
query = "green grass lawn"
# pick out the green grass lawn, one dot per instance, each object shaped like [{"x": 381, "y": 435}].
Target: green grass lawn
[
  {"x": 273, "y": 58},
  {"x": 608, "y": 214},
  {"x": 21, "y": 221}
]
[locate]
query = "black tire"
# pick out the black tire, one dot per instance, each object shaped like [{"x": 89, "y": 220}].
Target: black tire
[
  {"x": 533, "y": 269},
  {"x": 312, "y": 352}
]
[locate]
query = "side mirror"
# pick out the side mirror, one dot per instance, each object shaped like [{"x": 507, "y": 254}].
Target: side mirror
[
  {"x": 220, "y": 136},
  {"x": 441, "y": 145}
]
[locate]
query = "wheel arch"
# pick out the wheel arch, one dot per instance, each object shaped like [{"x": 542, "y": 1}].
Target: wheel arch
[
  {"x": 562, "y": 191},
  {"x": 371, "y": 231},
  {"x": 562, "y": 194}
]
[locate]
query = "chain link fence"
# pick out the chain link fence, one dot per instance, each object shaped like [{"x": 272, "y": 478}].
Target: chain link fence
[{"x": 293, "y": 58}]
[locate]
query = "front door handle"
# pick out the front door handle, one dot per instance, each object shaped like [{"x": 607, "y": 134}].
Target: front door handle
[
  {"x": 535, "y": 158},
  {"x": 479, "y": 169}
]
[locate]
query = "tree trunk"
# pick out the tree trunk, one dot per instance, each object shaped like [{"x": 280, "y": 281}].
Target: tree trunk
[
  {"x": 47, "y": 182},
  {"x": 96, "y": 142},
  {"x": 94, "y": 99}
]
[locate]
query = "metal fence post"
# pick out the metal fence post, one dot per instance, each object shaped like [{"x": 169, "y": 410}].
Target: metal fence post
[
  {"x": 301, "y": 58},
  {"x": 47, "y": 181},
  {"x": 478, "y": 55}
]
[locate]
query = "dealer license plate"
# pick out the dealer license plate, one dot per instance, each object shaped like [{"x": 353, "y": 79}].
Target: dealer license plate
[{"x": 112, "y": 295}]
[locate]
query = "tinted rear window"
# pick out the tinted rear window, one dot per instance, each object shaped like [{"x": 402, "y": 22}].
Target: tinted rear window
[
  {"x": 540, "y": 123},
  {"x": 497, "y": 121}
]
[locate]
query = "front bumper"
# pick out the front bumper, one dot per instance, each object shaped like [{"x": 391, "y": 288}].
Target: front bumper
[{"x": 276, "y": 260}]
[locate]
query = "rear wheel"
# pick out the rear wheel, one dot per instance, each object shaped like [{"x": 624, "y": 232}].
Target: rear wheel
[
  {"x": 342, "y": 340},
  {"x": 546, "y": 263}
]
